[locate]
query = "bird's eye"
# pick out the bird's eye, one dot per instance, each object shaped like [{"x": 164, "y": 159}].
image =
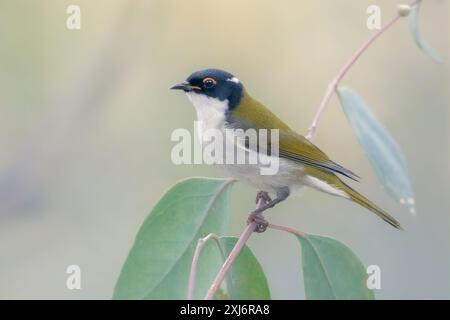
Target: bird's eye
[{"x": 209, "y": 83}]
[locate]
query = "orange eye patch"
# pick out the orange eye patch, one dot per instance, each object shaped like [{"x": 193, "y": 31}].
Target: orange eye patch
[{"x": 209, "y": 82}]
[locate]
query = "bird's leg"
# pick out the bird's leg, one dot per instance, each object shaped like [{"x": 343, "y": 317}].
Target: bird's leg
[
  {"x": 256, "y": 216},
  {"x": 263, "y": 195},
  {"x": 261, "y": 223},
  {"x": 282, "y": 194}
]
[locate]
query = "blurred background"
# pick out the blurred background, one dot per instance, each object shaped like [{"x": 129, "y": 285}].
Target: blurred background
[{"x": 86, "y": 118}]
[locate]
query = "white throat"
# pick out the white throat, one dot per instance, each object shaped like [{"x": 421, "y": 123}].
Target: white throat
[{"x": 210, "y": 111}]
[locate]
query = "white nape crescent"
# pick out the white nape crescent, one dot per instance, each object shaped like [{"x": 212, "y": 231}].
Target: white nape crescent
[{"x": 234, "y": 79}]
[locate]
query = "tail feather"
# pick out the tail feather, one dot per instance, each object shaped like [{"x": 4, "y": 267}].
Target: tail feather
[
  {"x": 333, "y": 180},
  {"x": 361, "y": 200}
]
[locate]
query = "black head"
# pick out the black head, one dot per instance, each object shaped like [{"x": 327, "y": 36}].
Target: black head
[{"x": 214, "y": 83}]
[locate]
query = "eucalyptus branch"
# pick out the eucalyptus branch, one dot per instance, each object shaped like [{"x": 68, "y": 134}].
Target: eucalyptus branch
[
  {"x": 193, "y": 275},
  {"x": 245, "y": 235},
  {"x": 287, "y": 229},
  {"x": 332, "y": 86}
]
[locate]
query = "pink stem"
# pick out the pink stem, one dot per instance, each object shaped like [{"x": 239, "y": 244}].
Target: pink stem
[
  {"x": 245, "y": 235},
  {"x": 193, "y": 275},
  {"x": 287, "y": 229},
  {"x": 332, "y": 86}
]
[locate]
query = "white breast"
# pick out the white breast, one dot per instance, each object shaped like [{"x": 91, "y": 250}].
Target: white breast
[{"x": 210, "y": 111}]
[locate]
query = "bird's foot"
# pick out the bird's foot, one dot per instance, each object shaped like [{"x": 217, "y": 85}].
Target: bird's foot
[
  {"x": 264, "y": 207},
  {"x": 265, "y": 202},
  {"x": 263, "y": 195},
  {"x": 261, "y": 223}
]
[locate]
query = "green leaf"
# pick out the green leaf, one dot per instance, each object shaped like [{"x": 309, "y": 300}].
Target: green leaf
[
  {"x": 246, "y": 279},
  {"x": 421, "y": 43},
  {"x": 159, "y": 262},
  {"x": 382, "y": 151},
  {"x": 332, "y": 271}
]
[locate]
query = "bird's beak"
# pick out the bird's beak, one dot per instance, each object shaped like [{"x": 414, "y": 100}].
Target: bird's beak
[{"x": 185, "y": 86}]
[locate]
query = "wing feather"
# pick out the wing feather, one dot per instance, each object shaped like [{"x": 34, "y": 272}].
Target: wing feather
[{"x": 293, "y": 146}]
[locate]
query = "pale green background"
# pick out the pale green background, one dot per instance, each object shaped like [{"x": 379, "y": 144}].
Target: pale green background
[{"x": 86, "y": 118}]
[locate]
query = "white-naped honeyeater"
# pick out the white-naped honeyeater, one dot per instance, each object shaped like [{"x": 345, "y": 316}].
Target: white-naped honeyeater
[{"x": 222, "y": 102}]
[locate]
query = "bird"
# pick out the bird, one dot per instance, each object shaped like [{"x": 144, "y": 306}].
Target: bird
[{"x": 222, "y": 102}]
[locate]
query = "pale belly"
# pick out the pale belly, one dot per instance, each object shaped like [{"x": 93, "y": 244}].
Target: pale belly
[
  {"x": 285, "y": 173},
  {"x": 288, "y": 175}
]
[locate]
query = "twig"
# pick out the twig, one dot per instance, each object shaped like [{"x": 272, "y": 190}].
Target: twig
[
  {"x": 332, "y": 86},
  {"x": 193, "y": 275},
  {"x": 245, "y": 235},
  {"x": 287, "y": 229}
]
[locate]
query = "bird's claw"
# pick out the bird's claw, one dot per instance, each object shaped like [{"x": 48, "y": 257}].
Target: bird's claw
[
  {"x": 261, "y": 223},
  {"x": 263, "y": 195}
]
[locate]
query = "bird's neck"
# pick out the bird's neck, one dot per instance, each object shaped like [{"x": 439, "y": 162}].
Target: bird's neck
[
  {"x": 210, "y": 112},
  {"x": 250, "y": 113}
]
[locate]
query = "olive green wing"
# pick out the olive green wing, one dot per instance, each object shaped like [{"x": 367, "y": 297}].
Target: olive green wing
[
  {"x": 295, "y": 147},
  {"x": 292, "y": 146}
]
